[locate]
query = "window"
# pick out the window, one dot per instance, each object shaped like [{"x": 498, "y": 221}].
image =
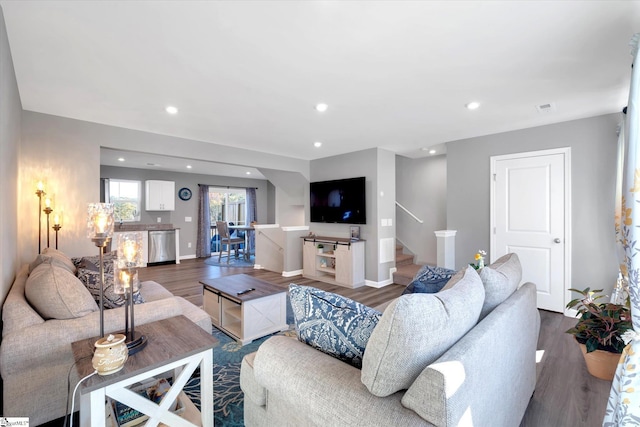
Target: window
[
  {"x": 228, "y": 204},
  {"x": 125, "y": 196}
]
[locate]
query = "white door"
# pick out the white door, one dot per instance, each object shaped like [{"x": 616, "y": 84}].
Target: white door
[{"x": 530, "y": 216}]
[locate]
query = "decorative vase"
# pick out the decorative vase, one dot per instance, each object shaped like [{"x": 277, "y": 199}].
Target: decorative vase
[
  {"x": 110, "y": 354},
  {"x": 601, "y": 364}
]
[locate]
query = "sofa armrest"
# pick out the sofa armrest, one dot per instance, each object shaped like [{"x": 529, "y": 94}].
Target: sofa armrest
[
  {"x": 49, "y": 343},
  {"x": 492, "y": 366},
  {"x": 323, "y": 389}
]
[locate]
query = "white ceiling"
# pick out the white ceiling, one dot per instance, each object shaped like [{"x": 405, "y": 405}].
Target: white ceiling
[{"x": 396, "y": 74}]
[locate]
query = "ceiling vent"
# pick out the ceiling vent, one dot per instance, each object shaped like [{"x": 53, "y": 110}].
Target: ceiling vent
[{"x": 546, "y": 108}]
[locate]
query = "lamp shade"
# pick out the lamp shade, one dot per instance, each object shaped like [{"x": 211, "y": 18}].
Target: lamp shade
[
  {"x": 58, "y": 218},
  {"x": 129, "y": 247},
  {"x": 49, "y": 201},
  {"x": 99, "y": 220},
  {"x": 125, "y": 280}
]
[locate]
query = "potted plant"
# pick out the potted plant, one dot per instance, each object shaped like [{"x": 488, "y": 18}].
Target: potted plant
[
  {"x": 599, "y": 331},
  {"x": 320, "y": 247}
]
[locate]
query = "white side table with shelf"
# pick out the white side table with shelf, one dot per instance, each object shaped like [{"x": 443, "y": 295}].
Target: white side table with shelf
[
  {"x": 173, "y": 344},
  {"x": 340, "y": 261}
]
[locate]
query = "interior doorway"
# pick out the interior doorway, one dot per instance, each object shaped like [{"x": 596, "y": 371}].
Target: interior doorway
[{"x": 531, "y": 216}]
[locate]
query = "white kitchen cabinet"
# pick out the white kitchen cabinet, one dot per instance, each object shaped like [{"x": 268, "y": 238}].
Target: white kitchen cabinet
[{"x": 160, "y": 195}]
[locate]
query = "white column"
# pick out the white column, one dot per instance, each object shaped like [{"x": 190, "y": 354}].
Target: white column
[{"x": 446, "y": 248}]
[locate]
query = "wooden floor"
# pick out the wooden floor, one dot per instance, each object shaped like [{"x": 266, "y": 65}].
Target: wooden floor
[{"x": 565, "y": 396}]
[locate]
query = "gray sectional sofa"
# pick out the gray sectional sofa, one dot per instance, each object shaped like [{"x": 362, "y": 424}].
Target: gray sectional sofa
[
  {"x": 463, "y": 356},
  {"x": 46, "y": 310}
]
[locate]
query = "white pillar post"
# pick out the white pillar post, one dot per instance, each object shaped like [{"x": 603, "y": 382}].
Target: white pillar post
[{"x": 446, "y": 248}]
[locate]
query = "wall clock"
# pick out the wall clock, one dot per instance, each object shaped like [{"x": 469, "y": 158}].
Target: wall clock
[{"x": 184, "y": 193}]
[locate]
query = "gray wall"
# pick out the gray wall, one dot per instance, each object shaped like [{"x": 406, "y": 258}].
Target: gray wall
[
  {"x": 189, "y": 208},
  {"x": 593, "y": 143},
  {"x": 421, "y": 187},
  {"x": 10, "y": 134},
  {"x": 367, "y": 163},
  {"x": 67, "y": 153}
]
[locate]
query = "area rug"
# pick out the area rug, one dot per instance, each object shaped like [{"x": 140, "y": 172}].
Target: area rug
[
  {"x": 233, "y": 261},
  {"x": 228, "y": 398}
]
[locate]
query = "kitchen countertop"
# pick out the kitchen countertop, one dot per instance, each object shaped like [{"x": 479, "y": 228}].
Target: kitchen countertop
[{"x": 143, "y": 227}]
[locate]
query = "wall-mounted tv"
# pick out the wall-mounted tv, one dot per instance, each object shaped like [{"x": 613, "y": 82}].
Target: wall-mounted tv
[{"x": 338, "y": 201}]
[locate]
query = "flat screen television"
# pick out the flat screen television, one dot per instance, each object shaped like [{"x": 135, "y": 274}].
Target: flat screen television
[{"x": 338, "y": 201}]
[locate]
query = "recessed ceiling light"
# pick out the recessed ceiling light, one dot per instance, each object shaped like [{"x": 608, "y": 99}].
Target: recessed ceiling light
[
  {"x": 248, "y": 173},
  {"x": 473, "y": 105},
  {"x": 317, "y": 144},
  {"x": 321, "y": 107},
  {"x": 432, "y": 151},
  {"x": 121, "y": 159},
  {"x": 189, "y": 166},
  {"x": 171, "y": 109}
]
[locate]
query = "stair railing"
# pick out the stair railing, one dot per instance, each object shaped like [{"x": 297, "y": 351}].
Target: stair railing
[
  {"x": 280, "y": 248},
  {"x": 409, "y": 213}
]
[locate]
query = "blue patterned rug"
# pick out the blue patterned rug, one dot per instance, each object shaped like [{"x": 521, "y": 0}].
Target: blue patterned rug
[{"x": 228, "y": 398}]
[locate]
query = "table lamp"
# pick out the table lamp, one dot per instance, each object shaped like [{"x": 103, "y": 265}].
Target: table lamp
[
  {"x": 126, "y": 282},
  {"x": 100, "y": 230}
]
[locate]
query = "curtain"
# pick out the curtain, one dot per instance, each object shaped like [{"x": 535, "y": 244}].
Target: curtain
[
  {"x": 251, "y": 213},
  {"x": 623, "y": 407},
  {"x": 203, "y": 245},
  {"x": 619, "y": 294}
]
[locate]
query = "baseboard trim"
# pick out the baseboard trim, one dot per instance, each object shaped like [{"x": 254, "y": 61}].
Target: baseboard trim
[
  {"x": 382, "y": 283},
  {"x": 258, "y": 267},
  {"x": 188, "y": 256},
  {"x": 292, "y": 273}
]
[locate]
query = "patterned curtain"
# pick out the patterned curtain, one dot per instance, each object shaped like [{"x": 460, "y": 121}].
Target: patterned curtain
[
  {"x": 203, "y": 245},
  {"x": 623, "y": 407},
  {"x": 251, "y": 212}
]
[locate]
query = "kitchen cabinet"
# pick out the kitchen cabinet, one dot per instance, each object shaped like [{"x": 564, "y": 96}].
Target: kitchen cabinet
[{"x": 160, "y": 195}]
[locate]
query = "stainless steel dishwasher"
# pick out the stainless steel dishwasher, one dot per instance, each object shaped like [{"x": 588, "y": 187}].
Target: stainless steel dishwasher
[{"x": 162, "y": 246}]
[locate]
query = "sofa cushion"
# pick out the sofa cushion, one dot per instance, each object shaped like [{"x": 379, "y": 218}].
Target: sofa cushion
[
  {"x": 428, "y": 280},
  {"x": 91, "y": 280},
  {"x": 500, "y": 280},
  {"x": 55, "y": 293},
  {"x": 93, "y": 262},
  {"x": 54, "y": 260},
  {"x": 60, "y": 257},
  {"x": 332, "y": 323},
  {"x": 416, "y": 329}
]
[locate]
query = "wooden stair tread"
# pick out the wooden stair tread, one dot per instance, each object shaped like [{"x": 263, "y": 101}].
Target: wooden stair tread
[{"x": 405, "y": 273}]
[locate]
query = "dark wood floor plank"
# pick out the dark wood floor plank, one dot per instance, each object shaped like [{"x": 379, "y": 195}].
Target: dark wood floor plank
[{"x": 566, "y": 394}]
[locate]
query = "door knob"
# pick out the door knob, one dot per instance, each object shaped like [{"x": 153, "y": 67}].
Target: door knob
[{"x": 556, "y": 240}]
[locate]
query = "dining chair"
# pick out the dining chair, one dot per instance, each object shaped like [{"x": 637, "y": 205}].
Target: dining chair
[{"x": 226, "y": 239}]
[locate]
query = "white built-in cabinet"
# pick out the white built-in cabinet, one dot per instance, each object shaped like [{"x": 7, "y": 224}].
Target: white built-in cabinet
[
  {"x": 339, "y": 261},
  {"x": 160, "y": 195}
]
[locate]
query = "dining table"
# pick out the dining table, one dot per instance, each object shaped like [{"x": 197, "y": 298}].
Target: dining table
[{"x": 248, "y": 231}]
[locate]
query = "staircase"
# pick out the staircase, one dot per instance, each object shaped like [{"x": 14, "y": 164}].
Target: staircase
[{"x": 406, "y": 269}]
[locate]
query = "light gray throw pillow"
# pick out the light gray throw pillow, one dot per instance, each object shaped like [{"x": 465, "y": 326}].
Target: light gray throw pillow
[
  {"x": 500, "y": 280},
  {"x": 55, "y": 293},
  {"x": 416, "y": 329}
]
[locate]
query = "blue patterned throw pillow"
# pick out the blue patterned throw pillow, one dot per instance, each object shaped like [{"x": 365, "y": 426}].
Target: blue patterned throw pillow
[
  {"x": 91, "y": 279},
  {"x": 332, "y": 323},
  {"x": 429, "y": 280}
]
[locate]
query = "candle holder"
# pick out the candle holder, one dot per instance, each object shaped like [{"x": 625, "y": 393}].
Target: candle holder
[
  {"x": 100, "y": 230},
  {"x": 40, "y": 193},
  {"x": 48, "y": 208},
  {"x": 57, "y": 225},
  {"x": 126, "y": 282}
]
